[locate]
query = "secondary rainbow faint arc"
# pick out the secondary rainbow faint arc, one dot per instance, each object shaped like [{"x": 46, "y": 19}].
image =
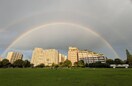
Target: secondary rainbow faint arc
[{"x": 60, "y": 23}]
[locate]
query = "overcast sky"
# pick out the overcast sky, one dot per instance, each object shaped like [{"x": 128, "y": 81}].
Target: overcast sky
[{"x": 110, "y": 19}]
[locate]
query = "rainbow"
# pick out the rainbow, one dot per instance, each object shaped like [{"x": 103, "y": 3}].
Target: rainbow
[
  {"x": 23, "y": 20},
  {"x": 59, "y": 23}
]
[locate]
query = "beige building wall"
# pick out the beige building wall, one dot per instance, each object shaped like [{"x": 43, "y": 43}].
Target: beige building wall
[
  {"x": 37, "y": 56},
  {"x": 13, "y": 56},
  {"x": 47, "y": 57},
  {"x": 82, "y": 54},
  {"x": 62, "y": 57},
  {"x": 0, "y": 59},
  {"x": 51, "y": 56},
  {"x": 73, "y": 54},
  {"x": 91, "y": 57},
  {"x": 65, "y": 58}
]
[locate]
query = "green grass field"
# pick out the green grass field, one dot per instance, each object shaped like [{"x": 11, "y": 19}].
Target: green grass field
[{"x": 66, "y": 77}]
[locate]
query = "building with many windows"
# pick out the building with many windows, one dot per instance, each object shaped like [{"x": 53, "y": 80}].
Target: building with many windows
[
  {"x": 37, "y": 56},
  {"x": 47, "y": 57},
  {"x": 13, "y": 56},
  {"x": 51, "y": 56},
  {"x": 91, "y": 57},
  {"x": 74, "y": 55}
]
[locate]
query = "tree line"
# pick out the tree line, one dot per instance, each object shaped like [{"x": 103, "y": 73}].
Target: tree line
[
  {"x": 17, "y": 64},
  {"x": 115, "y": 61},
  {"x": 81, "y": 64},
  {"x": 67, "y": 63}
]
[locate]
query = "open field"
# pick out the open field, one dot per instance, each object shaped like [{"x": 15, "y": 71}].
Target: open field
[{"x": 66, "y": 77}]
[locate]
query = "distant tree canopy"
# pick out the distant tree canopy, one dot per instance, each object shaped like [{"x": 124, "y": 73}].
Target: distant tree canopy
[
  {"x": 55, "y": 66},
  {"x": 61, "y": 64},
  {"x": 98, "y": 65},
  {"x": 115, "y": 61},
  {"x": 18, "y": 63},
  {"x": 67, "y": 63},
  {"x": 76, "y": 64},
  {"x": 118, "y": 61},
  {"x": 5, "y": 63},
  {"x": 81, "y": 63},
  {"x": 109, "y": 61},
  {"x": 26, "y": 63},
  {"x": 129, "y": 57},
  {"x": 40, "y": 65},
  {"x": 0, "y": 64}
]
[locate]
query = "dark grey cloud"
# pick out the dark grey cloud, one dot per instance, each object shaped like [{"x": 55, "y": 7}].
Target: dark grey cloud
[{"x": 109, "y": 18}]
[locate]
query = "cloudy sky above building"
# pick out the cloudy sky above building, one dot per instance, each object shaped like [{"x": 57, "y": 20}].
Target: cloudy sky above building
[{"x": 103, "y": 26}]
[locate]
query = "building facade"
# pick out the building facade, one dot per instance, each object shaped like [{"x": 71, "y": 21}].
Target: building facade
[
  {"x": 62, "y": 57},
  {"x": 51, "y": 56},
  {"x": 0, "y": 59},
  {"x": 37, "y": 56},
  {"x": 73, "y": 54},
  {"x": 91, "y": 57},
  {"x": 13, "y": 56},
  {"x": 47, "y": 57}
]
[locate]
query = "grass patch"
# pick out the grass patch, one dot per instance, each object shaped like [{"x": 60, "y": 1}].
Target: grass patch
[{"x": 66, "y": 77}]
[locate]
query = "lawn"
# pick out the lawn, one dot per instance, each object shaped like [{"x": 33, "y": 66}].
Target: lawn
[{"x": 66, "y": 77}]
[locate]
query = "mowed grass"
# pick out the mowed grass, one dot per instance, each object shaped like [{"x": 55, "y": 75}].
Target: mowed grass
[{"x": 66, "y": 77}]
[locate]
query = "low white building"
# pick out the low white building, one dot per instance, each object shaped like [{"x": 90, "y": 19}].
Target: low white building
[{"x": 119, "y": 65}]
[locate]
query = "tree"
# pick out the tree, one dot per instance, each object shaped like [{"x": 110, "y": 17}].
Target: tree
[
  {"x": 98, "y": 65},
  {"x": 129, "y": 57},
  {"x": 81, "y": 63},
  {"x": 5, "y": 63},
  {"x": 61, "y": 64},
  {"x": 31, "y": 65},
  {"x": 130, "y": 61},
  {"x": 109, "y": 61},
  {"x": 118, "y": 61},
  {"x": 76, "y": 64},
  {"x": 40, "y": 65},
  {"x": 86, "y": 65},
  {"x": 67, "y": 63},
  {"x": 18, "y": 63},
  {"x": 55, "y": 66},
  {"x": 26, "y": 63},
  {"x": 0, "y": 64}
]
